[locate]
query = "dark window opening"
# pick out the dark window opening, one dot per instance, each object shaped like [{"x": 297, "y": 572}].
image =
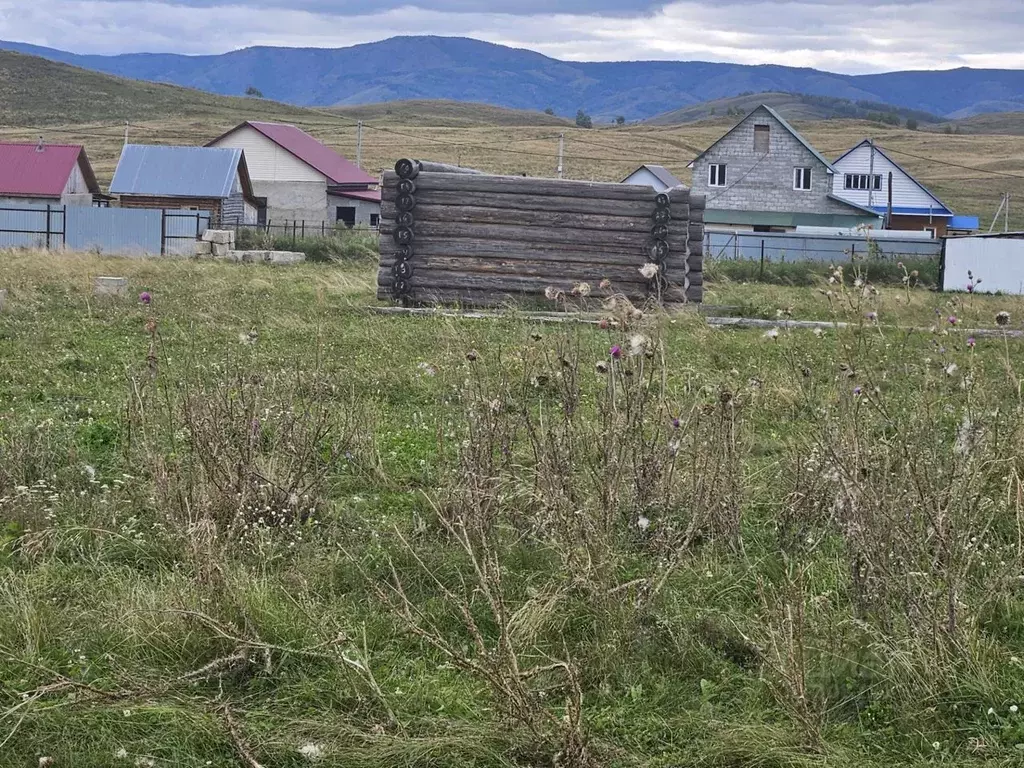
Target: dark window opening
[
  {"x": 374, "y": 219},
  {"x": 716, "y": 175},
  {"x": 862, "y": 181},
  {"x": 346, "y": 215}
]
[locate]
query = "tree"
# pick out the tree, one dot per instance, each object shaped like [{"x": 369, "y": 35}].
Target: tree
[
  {"x": 583, "y": 119},
  {"x": 253, "y": 91},
  {"x": 911, "y": 124},
  {"x": 549, "y": 111},
  {"x": 620, "y": 120}
]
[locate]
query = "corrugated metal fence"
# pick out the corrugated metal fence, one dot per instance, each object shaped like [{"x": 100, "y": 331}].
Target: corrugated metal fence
[
  {"x": 122, "y": 231},
  {"x": 792, "y": 246}
]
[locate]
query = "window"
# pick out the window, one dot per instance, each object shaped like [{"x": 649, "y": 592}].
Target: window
[
  {"x": 862, "y": 181},
  {"x": 374, "y": 219},
  {"x": 762, "y": 139},
  {"x": 802, "y": 178},
  {"x": 346, "y": 216},
  {"x": 716, "y": 175}
]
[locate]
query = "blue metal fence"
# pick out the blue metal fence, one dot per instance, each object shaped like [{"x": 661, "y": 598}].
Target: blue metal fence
[
  {"x": 792, "y": 246},
  {"x": 122, "y": 231}
]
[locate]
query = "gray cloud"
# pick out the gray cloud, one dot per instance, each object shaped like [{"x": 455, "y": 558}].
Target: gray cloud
[{"x": 871, "y": 36}]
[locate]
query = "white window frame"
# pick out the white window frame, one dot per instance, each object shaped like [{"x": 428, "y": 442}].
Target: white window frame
[
  {"x": 717, "y": 174},
  {"x": 863, "y": 181},
  {"x": 799, "y": 175}
]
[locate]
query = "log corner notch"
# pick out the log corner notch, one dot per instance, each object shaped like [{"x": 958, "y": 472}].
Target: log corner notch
[{"x": 457, "y": 235}]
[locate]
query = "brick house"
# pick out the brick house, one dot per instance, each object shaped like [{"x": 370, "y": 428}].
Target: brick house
[
  {"x": 764, "y": 176},
  {"x": 187, "y": 178}
]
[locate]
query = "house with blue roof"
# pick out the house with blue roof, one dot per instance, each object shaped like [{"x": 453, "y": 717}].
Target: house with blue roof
[
  {"x": 863, "y": 176},
  {"x": 762, "y": 175},
  {"x": 209, "y": 179}
]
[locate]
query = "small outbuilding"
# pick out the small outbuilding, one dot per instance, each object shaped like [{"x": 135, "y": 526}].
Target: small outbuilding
[
  {"x": 298, "y": 178},
  {"x": 187, "y": 178},
  {"x": 657, "y": 176},
  {"x": 58, "y": 174}
]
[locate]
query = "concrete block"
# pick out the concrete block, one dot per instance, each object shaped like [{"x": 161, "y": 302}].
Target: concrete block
[
  {"x": 204, "y": 248},
  {"x": 110, "y": 286},
  {"x": 234, "y": 255},
  {"x": 219, "y": 250},
  {"x": 285, "y": 257},
  {"x": 218, "y": 236}
]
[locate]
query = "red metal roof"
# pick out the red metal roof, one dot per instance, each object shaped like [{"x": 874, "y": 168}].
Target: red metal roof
[
  {"x": 25, "y": 171},
  {"x": 369, "y": 195},
  {"x": 336, "y": 168}
]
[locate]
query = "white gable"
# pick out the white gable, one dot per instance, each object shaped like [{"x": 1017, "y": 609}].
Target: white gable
[
  {"x": 643, "y": 177},
  {"x": 906, "y": 193},
  {"x": 266, "y": 160},
  {"x": 76, "y": 182}
]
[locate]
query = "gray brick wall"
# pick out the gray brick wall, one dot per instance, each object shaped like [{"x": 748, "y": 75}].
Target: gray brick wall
[{"x": 759, "y": 182}]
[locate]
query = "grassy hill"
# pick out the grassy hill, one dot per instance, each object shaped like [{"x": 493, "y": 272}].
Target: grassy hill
[
  {"x": 792, "y": 106},
  {"x": 446, "y": 114},
  {"x": 995, "y": 123}
]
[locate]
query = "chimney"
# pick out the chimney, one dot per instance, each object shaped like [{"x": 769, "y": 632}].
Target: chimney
[{"x": 39, "y": 146}]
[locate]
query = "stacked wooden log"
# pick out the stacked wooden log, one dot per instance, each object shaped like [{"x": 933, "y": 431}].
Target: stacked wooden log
[{"x": 452, "y": 235}]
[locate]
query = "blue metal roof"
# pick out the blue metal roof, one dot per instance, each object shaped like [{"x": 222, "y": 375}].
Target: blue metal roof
[
  {"x": 176, "y": 171},
  {"x": 916, "y": 210},
  {"x": 964, "y": 222}
]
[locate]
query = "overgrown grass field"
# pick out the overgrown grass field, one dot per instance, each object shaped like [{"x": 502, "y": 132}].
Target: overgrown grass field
[{"x": 246, "y": 521}]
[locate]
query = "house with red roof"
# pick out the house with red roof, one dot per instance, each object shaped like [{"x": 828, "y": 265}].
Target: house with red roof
[
  {"x": 297, "y": 178},
  {"x": 41, "y": 173}
]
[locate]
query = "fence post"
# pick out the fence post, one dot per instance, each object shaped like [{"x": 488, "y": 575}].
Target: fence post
[
  {"x": 47, "y": 226},
  {"x": 761, "y": 276},
  {"x": 323, "y": 230},
  {"x": 64, "y": 226},
  {"x": 163, "y": 231},
  {"x": 303, "y": 229},
  {"x": 295, "y": 227}
]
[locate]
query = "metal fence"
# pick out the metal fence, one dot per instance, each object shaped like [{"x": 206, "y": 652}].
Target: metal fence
[
  {"x": 777, "y": 247},
  {"x": 294, "y": 230},
  {"x": 122, "y": 231}
]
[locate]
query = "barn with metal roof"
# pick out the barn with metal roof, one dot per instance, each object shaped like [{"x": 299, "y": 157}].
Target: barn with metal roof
[
  {"x": 46, "y": 173},
  {"x": 190, "y": 178}
]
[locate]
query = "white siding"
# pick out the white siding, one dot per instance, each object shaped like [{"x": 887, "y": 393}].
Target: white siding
[
  {"x": 76, "y": 183},
  {"x": 905, "y": 191},
  {"x": 266, "y": 160},
  {"x": 643, "y": 177}
]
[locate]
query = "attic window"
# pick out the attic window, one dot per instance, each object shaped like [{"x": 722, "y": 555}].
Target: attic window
[
  {"x": 762, "y": 139},
  {"x": 862, "y": 181}
]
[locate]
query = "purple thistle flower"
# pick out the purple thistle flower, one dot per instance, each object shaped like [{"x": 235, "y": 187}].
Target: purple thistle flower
[
  {"x": 970, "y": 342},
  {"x": 616, "y": 352},
  {"x": 872, "y": 316},
  {"x": 675, "y": 423},
  {"x": 857, "y": 391},
  {"x": 952, "y": 320},
  {"x": 970, "y": 287},
  {"x": 145, "y": 297}
]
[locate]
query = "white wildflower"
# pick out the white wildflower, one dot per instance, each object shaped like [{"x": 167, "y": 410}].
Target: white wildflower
[
  {"x": 643, "y": 523},
  {"x": 649, "y": 270},
  {"x": 311, "y": 751},
  {"x": 551, "y": 293},
  {"x": 857, "y": 283},
  {"x": 638, "y": 344},
  {"x": 121, "y": 753},
  {"x": 936, "y": 745},
  {"x": 144, "y": 762},
  {"x": 47, "y": 761},
  {"x": 991, "y": 710},
  {"x": 427, "y": 369},
  {"x": 90, "y": 472},
  {"x": 950, "y": 369},
  {"x": 1013, "y": 709},
  {"x": 772, "y": 334},
  {"x": 582, "y": 289}
]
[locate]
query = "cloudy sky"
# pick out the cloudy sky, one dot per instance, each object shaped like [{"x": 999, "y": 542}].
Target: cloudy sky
[{"x": 837, "y": 35}]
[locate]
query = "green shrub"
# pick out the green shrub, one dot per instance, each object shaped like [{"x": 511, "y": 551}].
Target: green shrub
[
  {"x": 804, "y": 273},
  {"x": 348, "y": 245}
]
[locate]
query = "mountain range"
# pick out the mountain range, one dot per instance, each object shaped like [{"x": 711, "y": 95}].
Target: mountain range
[{"x": 464, "y": 69}]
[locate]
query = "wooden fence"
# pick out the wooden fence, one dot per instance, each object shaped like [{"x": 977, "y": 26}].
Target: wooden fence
[{"x": 452, "y": 235}]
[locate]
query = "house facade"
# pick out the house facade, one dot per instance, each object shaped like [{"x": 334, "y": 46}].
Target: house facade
[
  {"x": 657, "y": 176},
  {"x": 764, "y": 176},
  {"x": 187, "y": 178},
  {"x": 297, "y": 178},
  {"x": 40, "y": 173},
  {"x": 862, "y": 177}
]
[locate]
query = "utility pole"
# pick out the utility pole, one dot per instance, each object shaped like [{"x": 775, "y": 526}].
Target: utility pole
[
  {"x": 871, "y": 173},
  {"x": 995, "y": 219},
  {"x": 1006, "y": 214},
  {"x": 888, "y": 208},
  {"x": 561, "y": 153},
  {"x": 359, "y": 143},
  {"x": 126, "y": 133}
]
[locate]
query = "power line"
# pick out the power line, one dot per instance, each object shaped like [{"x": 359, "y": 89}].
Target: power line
[{"x": 954, "y": 165}]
